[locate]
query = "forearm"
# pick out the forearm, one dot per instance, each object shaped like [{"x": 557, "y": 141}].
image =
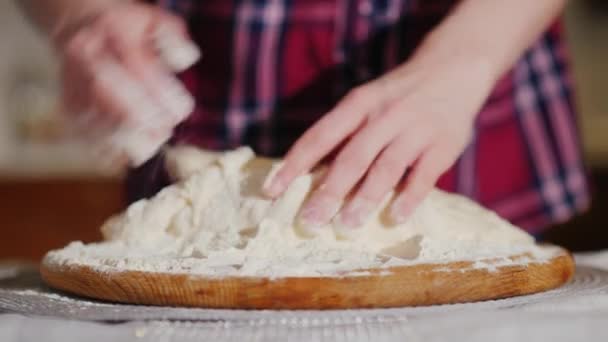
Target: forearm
[
  {"x": 493, "y": 33},
  {"x": 54, "y": 16}
]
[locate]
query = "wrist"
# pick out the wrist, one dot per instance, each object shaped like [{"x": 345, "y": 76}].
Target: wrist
[{"x": 467, "y": 54}]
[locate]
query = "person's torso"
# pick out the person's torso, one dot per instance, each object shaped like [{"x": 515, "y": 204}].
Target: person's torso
[{"x": 272, "y": 68}]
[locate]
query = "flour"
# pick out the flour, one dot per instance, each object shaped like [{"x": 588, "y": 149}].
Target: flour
[{"x": 215, "y": 222}]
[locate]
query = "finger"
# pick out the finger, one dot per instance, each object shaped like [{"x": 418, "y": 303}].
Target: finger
[
  {"x": 91, "y": 126},
  {"x": 75, "y": 98},
  {"x": 421, "y": 181},
  {"x": 114, "y": 94},
  {"x": 137, "y": 145},
  {"x": 382, "y": 177},
  {"x": 87, "y": 55},
  {"x": 323, "y": 137},
  {"x": 111, "y": 158},
  {"x": 145, "y": 129},
  {"x": 79, "y": 51},
  {"x": 144, "y": 66},
  {"x": 85, "y": 121},
  {"x": 350, "y": 165},
  {"x": 117, "y": 92},
  {"x": 165, "y": 20},
  {"x": 78, "y": 98},
  {"x": 175, "y": 48},
  {"x": 105, "y": 122}
]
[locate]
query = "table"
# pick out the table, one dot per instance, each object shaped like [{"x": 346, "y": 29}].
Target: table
[{"x": 577, "y": 311}]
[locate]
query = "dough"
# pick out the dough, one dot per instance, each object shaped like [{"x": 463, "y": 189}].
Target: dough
[{"x": 215, "y": 221}]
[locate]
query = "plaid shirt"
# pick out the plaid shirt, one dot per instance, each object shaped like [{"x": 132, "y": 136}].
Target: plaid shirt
[{"x": 271, "y": 68}]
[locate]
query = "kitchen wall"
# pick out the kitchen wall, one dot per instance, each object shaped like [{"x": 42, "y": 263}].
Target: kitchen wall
[
  {"x": 587, "y": 24},
  {"x": 33, "y": 141},
  {"x": 51, "y": 189}
]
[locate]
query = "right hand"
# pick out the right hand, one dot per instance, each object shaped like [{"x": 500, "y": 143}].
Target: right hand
[{"x": 118, "y": 77}]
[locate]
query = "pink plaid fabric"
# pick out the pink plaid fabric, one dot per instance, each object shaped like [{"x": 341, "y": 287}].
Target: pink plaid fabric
[{"x": 271, "y": 68}]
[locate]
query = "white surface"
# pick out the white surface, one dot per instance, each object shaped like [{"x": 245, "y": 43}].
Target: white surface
[{"x": 575, "y": 312}]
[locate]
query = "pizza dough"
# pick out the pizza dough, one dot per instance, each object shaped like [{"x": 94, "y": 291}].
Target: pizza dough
[{"x": 215, "y": 221}]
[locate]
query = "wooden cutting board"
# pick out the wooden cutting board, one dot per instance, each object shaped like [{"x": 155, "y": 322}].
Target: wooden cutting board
[{"x": 424, "y": 284}]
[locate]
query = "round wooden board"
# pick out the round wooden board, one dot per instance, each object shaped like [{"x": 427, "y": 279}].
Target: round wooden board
[{"x": 417, "y": 285}]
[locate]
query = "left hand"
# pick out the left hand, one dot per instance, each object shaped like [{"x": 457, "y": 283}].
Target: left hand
[{"x": 418, "y": 117}]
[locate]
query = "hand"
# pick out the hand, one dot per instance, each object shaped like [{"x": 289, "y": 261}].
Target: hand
[
  {"x": 117, "y": 68},
  {"x": 418, "y": 118}
]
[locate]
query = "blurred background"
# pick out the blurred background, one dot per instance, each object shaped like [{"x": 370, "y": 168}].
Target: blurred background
[{"x": 52, "y": 191}]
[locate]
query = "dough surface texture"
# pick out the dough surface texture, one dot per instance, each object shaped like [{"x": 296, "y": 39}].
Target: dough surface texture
[{"x": 215, "y": 222}]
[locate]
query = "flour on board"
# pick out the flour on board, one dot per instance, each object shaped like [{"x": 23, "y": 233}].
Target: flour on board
[{"x": 215, "y": 222}]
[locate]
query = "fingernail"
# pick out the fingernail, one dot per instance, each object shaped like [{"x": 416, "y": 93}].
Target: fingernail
[
  {"x": 400, "y": 211},
  {"x": 273, "y": 184},
  {"x": 308, "y": 223},
  {"x": 355, "y": 214},
  {"x": 183, "y": 57},
  {"x": 273, "y": 189},
  {"x": 178, "y": 53},
  {"x": 136, "y": 144},
  {"x": 175, "y": 97},
  {"x": 130, "y": 94},
  {"x": 316, "y": 214}
]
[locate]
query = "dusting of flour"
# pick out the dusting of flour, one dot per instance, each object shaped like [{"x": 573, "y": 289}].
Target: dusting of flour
[{"x": 215, "y": 222}]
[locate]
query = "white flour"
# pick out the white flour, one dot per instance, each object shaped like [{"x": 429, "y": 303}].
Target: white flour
[{"x": 215, "y": 222}]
